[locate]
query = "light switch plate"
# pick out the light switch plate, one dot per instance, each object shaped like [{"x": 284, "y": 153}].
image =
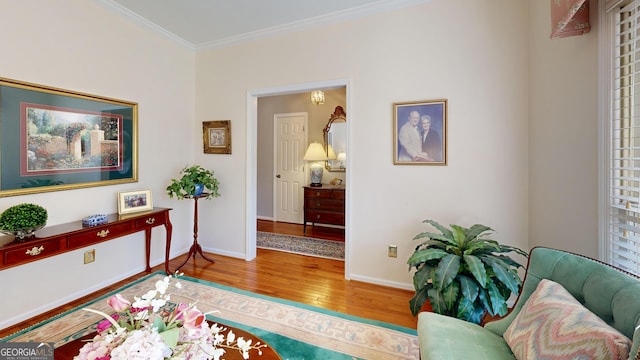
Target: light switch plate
[
  {"x": 393, "y": 251},
  {"x": 89, "y": 256}
]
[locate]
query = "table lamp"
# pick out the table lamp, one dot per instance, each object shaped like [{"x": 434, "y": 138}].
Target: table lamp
[
  {"x": 316, "y": 154},
  {"x": 342, "y": 159}
]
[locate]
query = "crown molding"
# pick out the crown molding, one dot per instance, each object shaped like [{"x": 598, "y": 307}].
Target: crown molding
[
  {"x": 314, "y": 22},
  {"x": 121, "y": 10}
]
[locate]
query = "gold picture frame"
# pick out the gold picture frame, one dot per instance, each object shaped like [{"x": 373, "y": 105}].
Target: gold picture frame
[
  {"x": 216, "y": 136},
  {"x": 54, "y": 139},
  {"x": 134, "y": 201},
  {"x": 420, "y": 132}
]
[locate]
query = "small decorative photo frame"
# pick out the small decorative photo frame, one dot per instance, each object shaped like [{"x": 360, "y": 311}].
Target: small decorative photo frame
[
  {"x": 420, "y": 132},
  {"x": 216, "y": 136},
  {"x": 134, "y": 201}
]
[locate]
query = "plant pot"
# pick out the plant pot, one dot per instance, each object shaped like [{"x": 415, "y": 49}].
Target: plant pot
[
  {"x": 199, "y": 190},
  {"x": 23, "y": 234}
]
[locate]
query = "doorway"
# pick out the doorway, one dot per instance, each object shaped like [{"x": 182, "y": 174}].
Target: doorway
[{"x": 252, "y": 166}]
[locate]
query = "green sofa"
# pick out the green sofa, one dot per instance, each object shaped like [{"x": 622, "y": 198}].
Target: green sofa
[{"x": 610, "y": 293}]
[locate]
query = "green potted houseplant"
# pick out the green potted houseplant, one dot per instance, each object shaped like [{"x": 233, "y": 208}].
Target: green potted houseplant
[
  {"x": 462, "y": 273},
  {"x": 194, "y": 181},
  {"x": 23, "y": 220}
]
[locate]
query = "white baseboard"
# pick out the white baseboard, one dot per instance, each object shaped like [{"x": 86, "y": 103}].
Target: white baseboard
[
  {"x": 223, "y": 252},
  {"x": 393, "y": 284}
]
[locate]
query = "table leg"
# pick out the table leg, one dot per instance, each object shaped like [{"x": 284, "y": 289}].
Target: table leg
[
  {"x": 147, "y": 243},
  {"x": 167, "y": 251}
]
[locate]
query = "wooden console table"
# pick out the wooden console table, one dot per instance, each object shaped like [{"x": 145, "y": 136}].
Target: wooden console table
[
  {"x": 324, "y": 204},
  {"x": 59, "y": 239}
]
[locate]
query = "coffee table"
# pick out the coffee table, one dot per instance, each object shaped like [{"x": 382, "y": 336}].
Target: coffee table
[{"x": 71, "y": 349}]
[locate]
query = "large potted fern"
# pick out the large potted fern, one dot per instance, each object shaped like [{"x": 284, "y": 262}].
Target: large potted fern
[{"x": 462, "y": 273}]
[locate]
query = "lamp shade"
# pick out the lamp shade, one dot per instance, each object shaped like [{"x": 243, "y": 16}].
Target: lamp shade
[
  {"x": 330, "y": 153},
  {"x": 315, "y": 152}
]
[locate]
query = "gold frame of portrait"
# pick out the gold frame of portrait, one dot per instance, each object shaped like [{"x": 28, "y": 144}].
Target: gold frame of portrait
[
  {"x": 220, "y": 128},
  {"x": 436, "y": 111}
]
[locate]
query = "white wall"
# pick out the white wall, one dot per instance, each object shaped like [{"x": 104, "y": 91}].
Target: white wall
[
  {"x": 563, "y": 138},
  {"x": 82, "y": 46},
  {"x": 533, "y": 181},
  {"x": 457, "y": 50}
]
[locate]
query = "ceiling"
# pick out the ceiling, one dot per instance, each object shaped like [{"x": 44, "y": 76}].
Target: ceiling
[{"x": 213, "y": 23}]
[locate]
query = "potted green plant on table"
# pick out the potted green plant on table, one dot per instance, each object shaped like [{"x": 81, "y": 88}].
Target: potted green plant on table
[
  {"x": 194, "y": 181},
  {"x": 462, "y": 273},
  {"x": 23, "y": 220}
]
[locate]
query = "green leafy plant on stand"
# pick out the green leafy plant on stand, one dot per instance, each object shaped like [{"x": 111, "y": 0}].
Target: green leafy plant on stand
[
  {"x": 463, "y": 274},
  {"x": 193, "y": 177}
]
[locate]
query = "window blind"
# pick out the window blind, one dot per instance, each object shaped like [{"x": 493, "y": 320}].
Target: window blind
[
  {"x": 612, "y": 4},
  {"x": 624, "y": 199}
]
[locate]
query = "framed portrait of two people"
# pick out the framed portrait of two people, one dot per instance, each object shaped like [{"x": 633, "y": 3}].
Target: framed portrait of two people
[{"x": 420, "y": 132}]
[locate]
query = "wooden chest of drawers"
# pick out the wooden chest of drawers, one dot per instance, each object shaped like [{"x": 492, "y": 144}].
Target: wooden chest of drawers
[{"x": 324, "y": 204}]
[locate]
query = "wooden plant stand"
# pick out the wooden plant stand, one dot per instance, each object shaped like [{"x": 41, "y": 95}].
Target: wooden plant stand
[{"x": 195, "y": 247}]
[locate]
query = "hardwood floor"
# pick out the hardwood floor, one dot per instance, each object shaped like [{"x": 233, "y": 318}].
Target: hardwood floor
[
  {"x": 310, "y": 280},
  {"x": 318, "y": 231}
]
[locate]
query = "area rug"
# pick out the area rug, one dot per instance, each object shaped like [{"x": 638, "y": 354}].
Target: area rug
[
  {"x": 296, "y": 331},
  {"x": 301, "y": 245}
]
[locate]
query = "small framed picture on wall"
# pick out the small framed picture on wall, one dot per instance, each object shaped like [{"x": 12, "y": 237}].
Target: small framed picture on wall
[{"x": 216, "y": 136}]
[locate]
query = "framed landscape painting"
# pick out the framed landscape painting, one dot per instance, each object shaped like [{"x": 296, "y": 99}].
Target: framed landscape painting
[{"x": 53, "y": 139}]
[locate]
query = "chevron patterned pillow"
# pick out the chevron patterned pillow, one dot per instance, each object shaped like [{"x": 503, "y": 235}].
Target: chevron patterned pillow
[{"x": 553, "y": 325}]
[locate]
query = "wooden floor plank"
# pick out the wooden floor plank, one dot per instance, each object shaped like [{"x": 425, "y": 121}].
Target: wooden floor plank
[
  {"x": 310, "y": 280},
  {"x": 317, "y": 231}
]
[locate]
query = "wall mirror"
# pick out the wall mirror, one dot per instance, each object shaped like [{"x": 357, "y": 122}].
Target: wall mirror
[{"x": 335, "y": 140}]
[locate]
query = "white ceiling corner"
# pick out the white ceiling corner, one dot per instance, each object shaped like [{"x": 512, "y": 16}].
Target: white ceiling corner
[{"x": 204, "y": 24}]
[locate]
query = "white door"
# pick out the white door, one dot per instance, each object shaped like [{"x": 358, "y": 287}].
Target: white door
[{"x": 290, "y": 141}]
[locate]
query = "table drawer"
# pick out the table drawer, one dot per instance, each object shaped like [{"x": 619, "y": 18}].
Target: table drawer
[
  {"x": 325, "y": 217},
  {"x": 99, "y": 234},
  {"x": 317, "y": 193},
  {"x": 337, "y": 194},
  {"x": 31, "y": 250},
  {"x": 150, "y": 221},
  {"x": 325, "y": 204}
]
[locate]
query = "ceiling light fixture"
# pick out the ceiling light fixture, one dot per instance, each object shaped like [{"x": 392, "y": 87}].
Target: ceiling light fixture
[{"x": 317, "y": 97}]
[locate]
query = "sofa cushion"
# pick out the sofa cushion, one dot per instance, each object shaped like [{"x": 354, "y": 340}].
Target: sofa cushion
[
  {"x": 552, "y": 324},
  {"x": 447, "y": 338}
]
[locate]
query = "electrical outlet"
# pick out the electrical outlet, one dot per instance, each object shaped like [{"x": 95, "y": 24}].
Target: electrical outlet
[
  {"x": 393, "y": 251},
  {"x": 89, "y": 256}
]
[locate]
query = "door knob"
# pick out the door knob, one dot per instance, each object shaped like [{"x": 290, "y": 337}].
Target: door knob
[{"x": 278, "y": 176}]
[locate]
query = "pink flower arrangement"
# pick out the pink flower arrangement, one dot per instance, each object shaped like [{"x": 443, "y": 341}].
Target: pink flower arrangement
[{"x": 151, "y": 328}]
